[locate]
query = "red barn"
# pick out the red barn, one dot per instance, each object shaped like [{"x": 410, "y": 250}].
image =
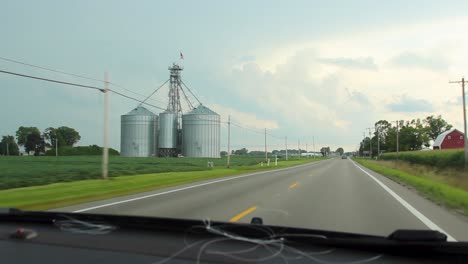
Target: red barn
[{"x": 451, "y": 139}]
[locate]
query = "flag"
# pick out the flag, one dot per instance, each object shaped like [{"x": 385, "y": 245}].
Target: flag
[{"x": 181, "y": 56}]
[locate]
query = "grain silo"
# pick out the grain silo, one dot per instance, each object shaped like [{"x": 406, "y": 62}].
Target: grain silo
[
  {"x": 138, "y": 136},
  {"x": 167, "y": 137},
  {"x": 201, "y": 133}
]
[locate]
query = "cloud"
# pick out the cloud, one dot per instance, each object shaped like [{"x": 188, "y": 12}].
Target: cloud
[
  {"x": 409, "y": 105},
  {"x": 247, "y": 119},
  {"x": 359, "y": 63},
  {"x": 414, "y": 60}
]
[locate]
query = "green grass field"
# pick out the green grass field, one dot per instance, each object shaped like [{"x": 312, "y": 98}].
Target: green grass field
[
  {"x": 30, "y": 171},
  {"x": 68, "y": 193},
  {"x": 449, "y": 188},
  {"x": 437, "y": 158}
]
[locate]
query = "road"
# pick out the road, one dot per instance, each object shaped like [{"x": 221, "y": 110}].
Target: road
[{"x": 335, "y": 194}]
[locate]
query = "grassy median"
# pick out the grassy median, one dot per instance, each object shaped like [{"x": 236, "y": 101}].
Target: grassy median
[
  {"x": 68, "y": 193},
  {"x": 449, "y": 187}
]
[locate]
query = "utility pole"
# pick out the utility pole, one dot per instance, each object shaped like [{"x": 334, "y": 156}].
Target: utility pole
[
  {"x": 378, "y": 140},
  {"x": 313, "y": 145},
  {"x": 299, "y": 148},
  {"x": 105, "y": 150},
  {"x": 56, "y": 144},
  {"x": 266, "y": 153},
  {"x": 370, "y": 142},
  {"x": 464, "y": 120},
  {"x": 286, "y": 143},
  {"x": 7, "y": 147},
  {"x": 229, "y": 143},
  {"x": 397, "y": 139}
]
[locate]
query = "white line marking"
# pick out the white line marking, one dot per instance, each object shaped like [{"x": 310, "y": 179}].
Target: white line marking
[
  {"x": 193, "y": 186},
  {"x": 409, "y": 207}
]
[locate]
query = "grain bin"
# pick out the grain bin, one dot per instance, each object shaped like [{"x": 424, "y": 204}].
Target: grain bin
[
  {"x": 201, "y": 133},
  {"x": 167, "y": 135},
  {"x": 138, "y": 131}
]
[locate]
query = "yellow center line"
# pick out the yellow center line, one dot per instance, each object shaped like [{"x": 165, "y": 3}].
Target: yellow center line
[
  {"x": 293, "y": 185},
  {"x": 244, "y": 213}
]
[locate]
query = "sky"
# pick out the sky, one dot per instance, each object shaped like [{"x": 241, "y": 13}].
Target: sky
[{"x": 312, "y": 71}]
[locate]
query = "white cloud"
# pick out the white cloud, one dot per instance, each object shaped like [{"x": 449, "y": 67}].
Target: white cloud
[
  {"x": 249, "y": 120},
  {"x": 345, "y": 83}
]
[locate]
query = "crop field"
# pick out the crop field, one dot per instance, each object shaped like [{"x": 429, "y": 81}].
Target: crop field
[
  {"x": 31, "y": 171},
  {"x": 453, "y": 158}
]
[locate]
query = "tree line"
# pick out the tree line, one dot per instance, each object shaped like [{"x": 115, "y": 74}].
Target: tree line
[
  {"x": 413, "y": 134},
  {"x": 36, "y": 142}
]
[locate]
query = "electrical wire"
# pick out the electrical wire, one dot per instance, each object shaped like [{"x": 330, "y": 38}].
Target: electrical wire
[
  {"x": 78, "y": 85},
  {"x": 55, "y": 81},
  {"x": 74, "y": 75},
  {"x": 154, "y": 91}
]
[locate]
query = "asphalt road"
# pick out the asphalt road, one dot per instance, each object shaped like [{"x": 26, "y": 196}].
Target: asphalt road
[{"x": 335, "y": 194}]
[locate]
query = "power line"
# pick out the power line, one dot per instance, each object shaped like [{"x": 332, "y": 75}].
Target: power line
[
  {"x": 55, "y": 81},
  {"x": 132, "y": 98},
  {"x": 78, "y": 85},
  {"x": 74, "y": 75},
  {"x": 155, "y": 91}
]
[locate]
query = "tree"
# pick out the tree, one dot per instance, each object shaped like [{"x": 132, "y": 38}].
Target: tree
[
  {"x": 436, "y": 126},
  {"x": 325, "y": 151},
  {"x": 23, "y": 132},
  {"x": 8, "y": 146},
  {"x": 340, "y": 150},
  {"x": 242, "y": 151},
  {"x": 69, "y": 135},
  {"x": 35, "y": 142}
]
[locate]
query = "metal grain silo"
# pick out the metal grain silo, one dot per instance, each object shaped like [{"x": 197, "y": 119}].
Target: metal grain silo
[
  {"x": 201, "y": 133},
  {"x": 138, "y": 133},
  {"x": 167, "y": 136}
]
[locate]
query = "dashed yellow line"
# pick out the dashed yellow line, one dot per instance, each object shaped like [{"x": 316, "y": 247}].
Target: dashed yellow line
[
  {"x": 293, "y": 185},
  {"x": 242, "y": 214}
]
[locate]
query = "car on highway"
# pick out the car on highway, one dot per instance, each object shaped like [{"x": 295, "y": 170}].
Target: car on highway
[{"x": 344, "y": 157}]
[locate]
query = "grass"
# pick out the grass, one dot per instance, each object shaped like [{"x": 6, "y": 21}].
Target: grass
[
  {"x": 436, "y": 158},
  {"x": 448, "y": 187},
  {"x": 69, "y": 193},
  {"x": 31, "y": 171}
]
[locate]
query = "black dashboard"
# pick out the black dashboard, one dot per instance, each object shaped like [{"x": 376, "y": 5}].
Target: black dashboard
[{"x": 40, "y": 237}]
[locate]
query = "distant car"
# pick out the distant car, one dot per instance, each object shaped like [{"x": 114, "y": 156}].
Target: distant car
[{"x": 344, "y": 157}]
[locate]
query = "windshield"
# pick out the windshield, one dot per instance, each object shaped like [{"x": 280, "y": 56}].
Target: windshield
[{"x": 341, "y": 116}]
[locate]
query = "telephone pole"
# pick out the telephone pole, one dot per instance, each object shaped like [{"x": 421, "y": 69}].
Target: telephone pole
[
  {"x": 464, "y": 120},
  {"x": 105, "y": 150},
  {"x": 266, "y": 153},
  {"x": 299, "y": 147},
  {"x": 229, "y": 143},
  {"x": 378, "y": 140},
  {"x": 286, "y": 143},
  {"x": 370, "y": 142},
  {"x": 313, "y": 145}
]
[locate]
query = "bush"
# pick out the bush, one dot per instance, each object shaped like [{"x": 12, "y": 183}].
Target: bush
[
  {"x": 92, "y": 150},
  {"x": 436, "y": 158}
]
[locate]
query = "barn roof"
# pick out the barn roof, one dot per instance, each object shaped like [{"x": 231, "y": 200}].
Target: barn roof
[{"x": 441, "y": 137}]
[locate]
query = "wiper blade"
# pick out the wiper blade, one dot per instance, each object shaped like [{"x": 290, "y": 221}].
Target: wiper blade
[{"x": 410, "y": 235}]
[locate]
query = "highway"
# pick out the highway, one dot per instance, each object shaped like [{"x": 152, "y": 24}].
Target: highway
[{"x": 335, "y": 194}]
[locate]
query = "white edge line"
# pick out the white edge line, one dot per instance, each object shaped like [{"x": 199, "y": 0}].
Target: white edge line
[
  {"x": 409, "y": 207},
  {"x": 192, "y": 186}
]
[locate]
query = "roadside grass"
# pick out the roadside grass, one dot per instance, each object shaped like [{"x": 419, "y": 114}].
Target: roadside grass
[
  {"x": 68, "y": 193},
  {"x": 32, "y": 171},
  {"x": 448, "y": 187}
]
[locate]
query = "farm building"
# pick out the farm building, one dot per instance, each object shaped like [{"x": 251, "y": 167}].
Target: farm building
[{"x": 451, "y": 139}]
